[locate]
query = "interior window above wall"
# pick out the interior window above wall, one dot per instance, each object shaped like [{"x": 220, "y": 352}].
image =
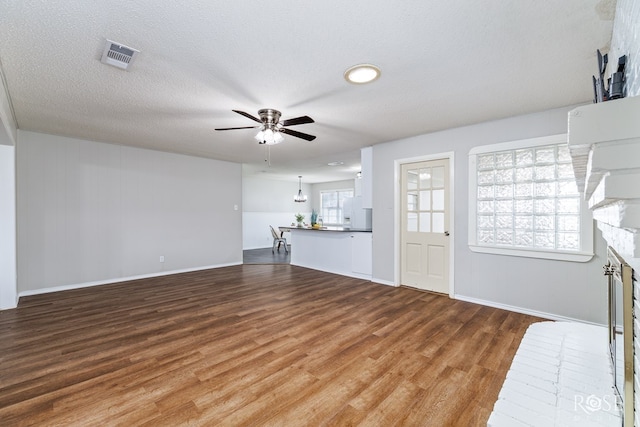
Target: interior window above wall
[
  {"x": 523, "y": 201},
  {"x": 331, "y": 204}
]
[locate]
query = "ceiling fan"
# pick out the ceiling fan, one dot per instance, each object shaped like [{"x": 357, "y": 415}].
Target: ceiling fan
[{"x": 271, "y": 128}]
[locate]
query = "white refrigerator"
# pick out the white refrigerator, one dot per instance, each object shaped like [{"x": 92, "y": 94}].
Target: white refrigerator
[{"x": 354, "y": 216}]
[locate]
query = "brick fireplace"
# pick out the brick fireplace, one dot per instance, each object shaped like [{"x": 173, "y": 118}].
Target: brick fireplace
[{"x": 604, "y": 141}]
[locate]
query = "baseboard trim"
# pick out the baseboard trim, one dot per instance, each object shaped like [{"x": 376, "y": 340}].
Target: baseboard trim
[
  {"x": 384, "y": 282},
  {"x": 119, "y": 279},
  {"x": 522, "y": 310},
  {"x": 341, "y": 273}
]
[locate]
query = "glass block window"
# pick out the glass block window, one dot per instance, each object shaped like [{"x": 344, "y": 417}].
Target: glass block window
[{"x": 525, "y": 198}]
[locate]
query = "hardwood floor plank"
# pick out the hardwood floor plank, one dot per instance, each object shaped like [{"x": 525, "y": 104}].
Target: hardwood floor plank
[
  {"x": 273, "y": 345},
  {"x": 348, "y": 416}
]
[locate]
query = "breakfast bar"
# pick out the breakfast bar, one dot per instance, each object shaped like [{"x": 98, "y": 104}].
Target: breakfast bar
[{"x": 339, "y": 250}]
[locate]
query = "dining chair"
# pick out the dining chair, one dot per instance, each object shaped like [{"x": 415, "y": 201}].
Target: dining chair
[{"x": 278, "y": 240}]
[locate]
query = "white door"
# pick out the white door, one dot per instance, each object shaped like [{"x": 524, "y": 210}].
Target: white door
[{"x": 424, "y": 238}]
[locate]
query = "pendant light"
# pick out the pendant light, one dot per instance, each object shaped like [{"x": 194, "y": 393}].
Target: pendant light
[{"x": 300, "y": 198}]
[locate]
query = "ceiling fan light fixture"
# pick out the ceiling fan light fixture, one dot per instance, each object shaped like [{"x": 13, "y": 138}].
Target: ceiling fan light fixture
[
  {"x": 362, "y": 73},
  {"x": 269, "y": 137},
  {"x": 271, "y": 128}
]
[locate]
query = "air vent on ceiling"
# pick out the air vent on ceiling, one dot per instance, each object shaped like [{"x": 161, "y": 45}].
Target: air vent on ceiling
[{"x": 118, "y": 55}]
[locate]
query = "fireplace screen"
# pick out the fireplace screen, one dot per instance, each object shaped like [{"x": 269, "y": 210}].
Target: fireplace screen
[{"x": 621, "y": 348}]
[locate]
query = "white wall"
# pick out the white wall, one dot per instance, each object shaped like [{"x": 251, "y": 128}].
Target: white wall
[
  {"x": 573, "y": 290},
  {"x": 8, "y": 284},
  {"x": 91, "y": 212},
  {"x": 270, "y": 202}
]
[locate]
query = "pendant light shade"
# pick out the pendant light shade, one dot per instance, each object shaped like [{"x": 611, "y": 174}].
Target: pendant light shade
[
  {"x": 269, "y": 136},
  {"x": 300, "y": 198}
]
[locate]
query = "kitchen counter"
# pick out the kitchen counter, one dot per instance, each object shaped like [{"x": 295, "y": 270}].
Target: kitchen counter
[
  {"x": 336, "y": 250},
  {"x": 328, "y": 228}
]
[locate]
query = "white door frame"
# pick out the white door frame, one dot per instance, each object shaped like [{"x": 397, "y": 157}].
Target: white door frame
[
  {"x": 8, "y": 248},
  {"x": 396, "y": 213}
]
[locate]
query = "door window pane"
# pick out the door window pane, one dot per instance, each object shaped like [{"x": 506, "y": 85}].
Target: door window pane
[
  {"x": 412, "y": 179},
  {"x": 438, "y": 200},
  {"x": 412, "y": 201},
  {"x": 425, "y": 178},
  {"x": 425, "y": 222},
  {"x": 437, "y": 177},
  {"x": 438, "y": 222},
  {"x": 425, "y": 200},
  {"x": 412, "y": 221}
]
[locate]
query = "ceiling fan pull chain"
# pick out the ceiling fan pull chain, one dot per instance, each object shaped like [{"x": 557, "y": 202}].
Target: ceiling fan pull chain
[{"x": 267, "y": 155}]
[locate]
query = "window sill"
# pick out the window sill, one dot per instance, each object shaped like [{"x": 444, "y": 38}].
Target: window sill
[{"x": 528, "y": 253}]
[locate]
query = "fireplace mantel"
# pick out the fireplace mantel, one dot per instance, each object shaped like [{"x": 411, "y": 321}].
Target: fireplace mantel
[{"x": 604, "y": 141}]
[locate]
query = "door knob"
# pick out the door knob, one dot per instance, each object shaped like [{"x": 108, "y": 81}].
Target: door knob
[{"x": 446, "y": 233}]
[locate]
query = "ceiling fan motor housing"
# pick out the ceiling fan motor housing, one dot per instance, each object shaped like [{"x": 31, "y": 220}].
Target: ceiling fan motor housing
[{"x": 269, "y": 117}]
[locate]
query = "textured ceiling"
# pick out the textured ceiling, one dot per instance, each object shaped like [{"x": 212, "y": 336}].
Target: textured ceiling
[{"x": 444, "y": 64}]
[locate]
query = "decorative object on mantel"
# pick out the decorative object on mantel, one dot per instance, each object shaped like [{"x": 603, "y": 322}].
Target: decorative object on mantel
[
  {"x": 300, "y": 198},
  {"x": 615, "y": 82},
  {"x": 299, "y": 219}
]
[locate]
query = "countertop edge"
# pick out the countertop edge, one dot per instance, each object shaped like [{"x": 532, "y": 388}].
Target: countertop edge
[{"x": 334, "y": 229}]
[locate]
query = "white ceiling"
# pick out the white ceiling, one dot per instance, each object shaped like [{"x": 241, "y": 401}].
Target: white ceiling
[{"x": 444, "y": 64}]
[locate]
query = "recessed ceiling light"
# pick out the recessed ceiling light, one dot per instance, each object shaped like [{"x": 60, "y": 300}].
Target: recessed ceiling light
[
  {"x": 335, "y": 163},
  {"x": 362, "y": 73}
]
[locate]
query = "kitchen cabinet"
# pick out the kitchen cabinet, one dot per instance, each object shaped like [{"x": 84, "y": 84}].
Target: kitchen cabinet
[
  {"x": 339, "y": 251},
  {"x": 366, "y": 182},
  {"x": 361, "y": 248}
]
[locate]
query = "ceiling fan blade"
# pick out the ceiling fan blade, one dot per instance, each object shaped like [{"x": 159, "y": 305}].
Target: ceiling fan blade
[
  {"x": 247, "y": 115},
  {"x": 243, "y": 127},
  {"x": 298, "y": 134},
  {"x": 297, "y": 121}
]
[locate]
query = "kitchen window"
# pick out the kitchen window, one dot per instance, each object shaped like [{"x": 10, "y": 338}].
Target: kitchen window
[
  {"x": 524, "y": 201},
  {"x": 331, "y": 203}
]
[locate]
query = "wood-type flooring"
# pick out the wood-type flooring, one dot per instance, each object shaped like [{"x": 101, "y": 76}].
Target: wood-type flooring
[{"x": 252, "y": 345}]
